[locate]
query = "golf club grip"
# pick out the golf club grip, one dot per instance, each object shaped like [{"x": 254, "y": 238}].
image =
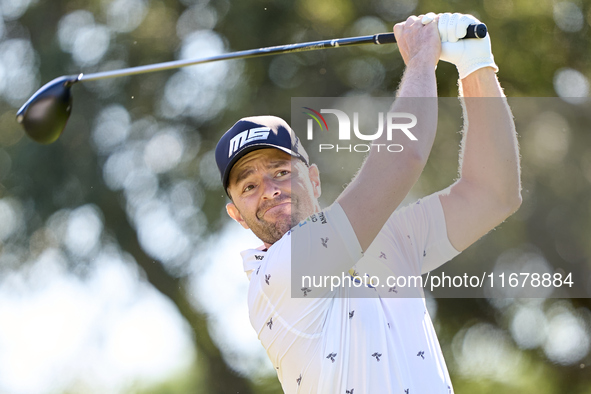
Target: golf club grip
[{"x": 477, "y": 30}]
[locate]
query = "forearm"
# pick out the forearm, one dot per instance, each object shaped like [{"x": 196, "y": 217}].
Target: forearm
[
  {"x": 488, "y": 190},
  {"x": 386, "y": 177},
  {"x": 490, "y": 156},
  {"x": 481, "y": 83},
  {"x": 418, "y": 80}
]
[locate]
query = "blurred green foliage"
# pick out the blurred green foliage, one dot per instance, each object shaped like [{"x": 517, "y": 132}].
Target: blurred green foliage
[{"x": 528, "y": 46}]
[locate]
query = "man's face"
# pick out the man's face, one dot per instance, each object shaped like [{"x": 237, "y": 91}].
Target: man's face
[{"x": 271, "y": 192}]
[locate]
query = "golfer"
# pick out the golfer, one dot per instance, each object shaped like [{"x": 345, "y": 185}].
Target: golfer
[{"x": 367, "y": 339}]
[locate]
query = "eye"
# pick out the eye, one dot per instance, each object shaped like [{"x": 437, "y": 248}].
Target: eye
[
  {"x": 248, "y": 188},
  {"x": 282, "y": 173}
]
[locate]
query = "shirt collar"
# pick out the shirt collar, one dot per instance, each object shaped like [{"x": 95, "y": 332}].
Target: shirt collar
[{"x": 252, "y": 259}]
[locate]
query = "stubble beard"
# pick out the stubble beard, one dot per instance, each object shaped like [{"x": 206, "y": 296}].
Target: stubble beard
[{"x": 272, "y": 231}]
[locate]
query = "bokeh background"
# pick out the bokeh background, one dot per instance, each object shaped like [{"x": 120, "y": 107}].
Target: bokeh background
[{"x": 119, "y": 270}]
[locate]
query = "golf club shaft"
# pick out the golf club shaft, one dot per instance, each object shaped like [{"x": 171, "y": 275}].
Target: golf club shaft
[
  {"x": 473, "y": 31},
  {"x": 45, "y": 114},
  {"x": 383, "y": 38}
]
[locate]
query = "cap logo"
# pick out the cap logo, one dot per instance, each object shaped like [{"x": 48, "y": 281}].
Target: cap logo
[{"x": 258, "y": 133}]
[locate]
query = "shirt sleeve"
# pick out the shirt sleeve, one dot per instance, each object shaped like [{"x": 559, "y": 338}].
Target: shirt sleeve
[
  {"x": 324, "y": 244},
  {"x": 438, "y": 248},
  {"x": 417, "y": 236}
]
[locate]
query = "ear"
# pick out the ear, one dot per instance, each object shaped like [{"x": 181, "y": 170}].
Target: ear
[
  {"x": 235, "y": 214},
  {"x": 315, "y": 179}
]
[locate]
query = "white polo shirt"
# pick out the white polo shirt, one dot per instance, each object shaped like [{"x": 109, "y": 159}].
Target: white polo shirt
[{"x": 352, "y": 340}]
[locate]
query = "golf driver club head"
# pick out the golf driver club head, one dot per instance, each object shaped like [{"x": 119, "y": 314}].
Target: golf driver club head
[{"x": 45, "y": 114}]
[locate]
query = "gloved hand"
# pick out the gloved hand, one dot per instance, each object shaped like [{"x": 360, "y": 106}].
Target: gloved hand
[{"x": 468, "y": 55}]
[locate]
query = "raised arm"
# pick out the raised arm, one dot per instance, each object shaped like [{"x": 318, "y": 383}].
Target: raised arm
[
  {"x": 489, "y": 189},
  {"x": 385, "y": 178}
]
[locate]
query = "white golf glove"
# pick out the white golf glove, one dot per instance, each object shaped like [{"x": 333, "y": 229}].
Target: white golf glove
[{"x": 468, "y": 55}]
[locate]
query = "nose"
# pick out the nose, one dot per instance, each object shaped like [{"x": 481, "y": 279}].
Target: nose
[{"x": 270, "y": 189}]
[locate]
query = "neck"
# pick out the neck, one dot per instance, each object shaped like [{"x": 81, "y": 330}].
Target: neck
[{"x": 316, "y": 209}]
